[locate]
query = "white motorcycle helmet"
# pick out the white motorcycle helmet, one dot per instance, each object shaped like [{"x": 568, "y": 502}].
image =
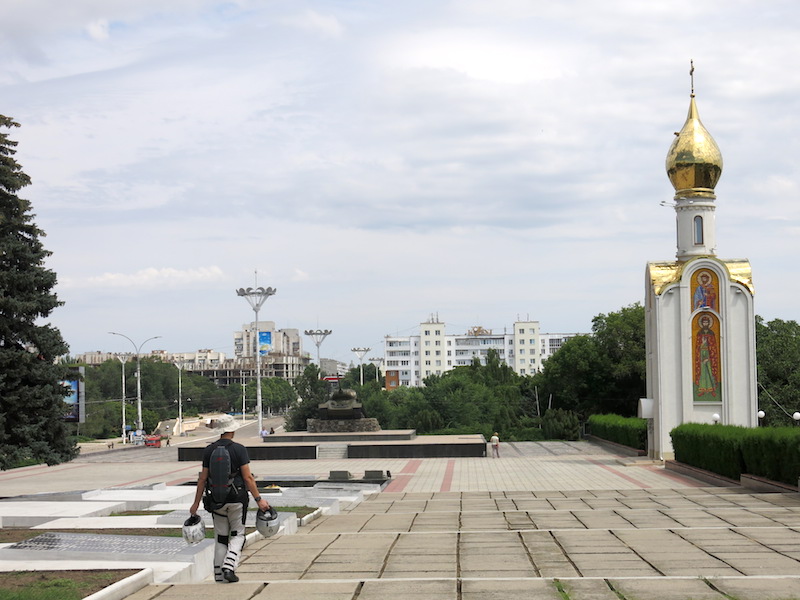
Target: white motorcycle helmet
[
  {"x": 267, "y": 522},
  {"x": 194, "y": 530}
]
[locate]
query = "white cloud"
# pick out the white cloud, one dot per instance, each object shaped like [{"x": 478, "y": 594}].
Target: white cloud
[
  {"x": 157, "y": 277},
  {"x": 312, "y": 21},
  {"x": 478, "y": 54},
  {"x": 300, "y": 275},
  {"x": 98, "y": 30},
  {"x": 479, "y": 159}
]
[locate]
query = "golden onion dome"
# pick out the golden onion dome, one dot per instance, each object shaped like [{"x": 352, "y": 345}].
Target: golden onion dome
[{"x": 694, "y": 162}]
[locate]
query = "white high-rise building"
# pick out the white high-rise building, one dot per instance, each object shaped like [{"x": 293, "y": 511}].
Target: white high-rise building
[{"x": 408, "y": 360}]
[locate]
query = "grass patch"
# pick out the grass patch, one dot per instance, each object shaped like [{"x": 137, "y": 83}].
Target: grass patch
[{"x": 57, "y": 585}]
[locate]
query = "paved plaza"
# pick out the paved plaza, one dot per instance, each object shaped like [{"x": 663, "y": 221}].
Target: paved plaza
[{"x": 553, "y": 520}]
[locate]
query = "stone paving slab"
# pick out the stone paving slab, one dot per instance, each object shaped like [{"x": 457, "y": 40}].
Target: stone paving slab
[
  {"x": 31, "y": 513},
  {"x": 665, "y": 589},
  {"x": 541, "y": 589},
  {"x": 587, "y": 589},
  {"x": 508, "y": 527},
  {"x": 306, "y": 590},
  {"x": 784, "y": 588},
  {"x": 410, "y": 590}
]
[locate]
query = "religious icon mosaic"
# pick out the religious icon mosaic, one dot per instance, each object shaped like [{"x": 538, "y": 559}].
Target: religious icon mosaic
[{"x": 707, "y": 372}]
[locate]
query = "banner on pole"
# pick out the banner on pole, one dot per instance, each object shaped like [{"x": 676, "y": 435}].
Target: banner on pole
[{"x": 264, "y": 342}]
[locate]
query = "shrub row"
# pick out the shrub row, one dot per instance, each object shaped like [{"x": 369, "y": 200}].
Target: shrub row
[
  {"x": 728, "y": 450},
  {"x": 628, "y": 431}
]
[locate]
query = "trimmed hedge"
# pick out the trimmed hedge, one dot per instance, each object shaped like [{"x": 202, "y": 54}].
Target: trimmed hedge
[
  {"x": 628, "y": 431},
  {"x": 728, "y": 450}
]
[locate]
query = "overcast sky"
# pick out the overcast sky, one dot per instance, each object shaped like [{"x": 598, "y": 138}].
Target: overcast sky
[{"x": 378, "y": 161}]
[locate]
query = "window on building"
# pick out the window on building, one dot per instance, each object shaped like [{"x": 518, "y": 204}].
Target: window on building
[
  {"x": 438, "y": 332},
  {"x": 698, "y": 231},
  {"x": 427, "y": 332},
  {"x": 427, "y": 352},
  {"x": 438, "y": 342},
  {"x": 522, "y": 331},
  {"x": 522, "y": 341},
  {"x": 438, "y": 353},
  {"x": 522, "y": 350}
]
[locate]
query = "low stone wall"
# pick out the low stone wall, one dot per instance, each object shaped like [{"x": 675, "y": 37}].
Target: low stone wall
[
  {"x": 759, "y": 484},
  {"x": 618, "y": 448},
  {"x": 342, "y": 425},
  {"x": 701, "y": 474}
]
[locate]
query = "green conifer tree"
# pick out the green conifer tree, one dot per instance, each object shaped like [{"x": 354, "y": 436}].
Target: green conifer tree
[{"x": 31, "y": 394}]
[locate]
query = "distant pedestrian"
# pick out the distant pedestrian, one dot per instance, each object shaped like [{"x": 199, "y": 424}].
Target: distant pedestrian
[
  {"x": 272, "y": 431},
  {"x": 495, "y": 441},
  {"x": 264, "y": 434}
]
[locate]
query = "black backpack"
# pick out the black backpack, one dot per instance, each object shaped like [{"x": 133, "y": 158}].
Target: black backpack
[{"x": 220, "y": 486}]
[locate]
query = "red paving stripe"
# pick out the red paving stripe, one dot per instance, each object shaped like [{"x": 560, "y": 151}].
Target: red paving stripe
[
  {"x": 398, "y": 484},
  {"x": 448, "y": 476},
  {"x": 411, "y": 466},
  {"x": 400, "y": 481},
  {"x": 619, "y": 473},
  {"x": 36, "y": 473},
  {"x": 677, "y": 477}
]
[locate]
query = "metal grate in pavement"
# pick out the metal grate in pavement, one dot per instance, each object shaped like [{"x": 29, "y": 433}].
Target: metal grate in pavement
[{"x": 73, "y": 543}]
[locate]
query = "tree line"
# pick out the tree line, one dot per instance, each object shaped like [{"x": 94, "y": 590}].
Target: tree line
[{"x": 601, "y": 373}]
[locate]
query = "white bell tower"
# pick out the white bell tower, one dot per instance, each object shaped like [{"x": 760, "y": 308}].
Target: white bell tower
[{"x": 700, "y": 319}]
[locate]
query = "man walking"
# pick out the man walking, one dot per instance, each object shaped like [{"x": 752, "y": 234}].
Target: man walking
[{"x": 229, "y": 516}]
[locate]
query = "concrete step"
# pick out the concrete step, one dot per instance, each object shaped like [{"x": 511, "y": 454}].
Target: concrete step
[{"x": 332, "y": 450}]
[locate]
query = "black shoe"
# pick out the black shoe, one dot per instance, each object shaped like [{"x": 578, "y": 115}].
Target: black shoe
[{"x": 230, "y": 576}]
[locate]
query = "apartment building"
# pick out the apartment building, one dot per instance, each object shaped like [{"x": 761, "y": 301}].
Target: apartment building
[
  {"x": 410, "y": 359},
  {"x": 284, "y": 356},
  {"x": 552, "y": 342}
]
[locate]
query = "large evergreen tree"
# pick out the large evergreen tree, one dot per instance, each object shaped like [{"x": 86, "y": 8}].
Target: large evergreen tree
[{"x": 31, "y": 394}]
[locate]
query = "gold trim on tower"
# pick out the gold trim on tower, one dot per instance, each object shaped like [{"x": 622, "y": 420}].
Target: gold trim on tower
[{"x": 664, "y": 274}]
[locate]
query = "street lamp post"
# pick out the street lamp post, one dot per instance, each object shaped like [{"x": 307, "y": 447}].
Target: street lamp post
[
  {"x": 318, "y": 335},
  {"x": 361, "y": 353},
  {"x": 377, "y": 361},
  {"x": 180, "y": 398},
  {"x": 138, "y": 374},
  {"x": 256, "y": 298},
  {"x": 123, "y": 358}
]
